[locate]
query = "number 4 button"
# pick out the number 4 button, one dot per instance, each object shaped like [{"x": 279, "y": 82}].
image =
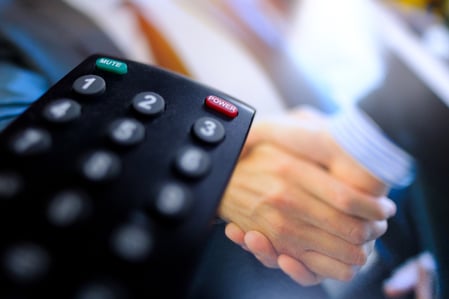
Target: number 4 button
[{"x": 62, "y": 111}]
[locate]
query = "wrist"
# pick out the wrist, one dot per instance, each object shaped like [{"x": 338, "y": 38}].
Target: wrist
[{"x": 364, "y": 141}]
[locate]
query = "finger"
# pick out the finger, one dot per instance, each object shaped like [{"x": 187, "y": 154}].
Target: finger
[
  {"x": 262, "y": 248},
  {"x": 280, "y": 219},
  {"x": 235, "y": 234},
  {"x": 321, "y": 215},
  {"x": 403, "y": 280},
  {"x": 424, "y": 289},
  {"x": 328, "y": 267},
  {"x": 309, "y": 138},
  {"x": 349, "y": 200},
  {"x": 295, "y": 242},
  {"x": 306, "y": 175},
  {"x": 297, "y": 271}
]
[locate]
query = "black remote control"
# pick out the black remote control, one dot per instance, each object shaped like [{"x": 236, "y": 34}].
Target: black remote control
[{"x": 109, "y": 183}]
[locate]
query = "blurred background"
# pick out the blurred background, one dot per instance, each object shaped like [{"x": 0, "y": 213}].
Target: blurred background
[{"x": 276, "y": 54}]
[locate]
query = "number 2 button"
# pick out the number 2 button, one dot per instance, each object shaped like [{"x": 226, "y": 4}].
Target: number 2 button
[{"x": 149, "y": 103}]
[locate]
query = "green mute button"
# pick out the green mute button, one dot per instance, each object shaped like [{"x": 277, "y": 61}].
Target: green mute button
[{"x": 111, "y": 65}]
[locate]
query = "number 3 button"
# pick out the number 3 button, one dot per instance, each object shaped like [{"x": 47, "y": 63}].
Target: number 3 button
[{"x": 209, "y": 130}]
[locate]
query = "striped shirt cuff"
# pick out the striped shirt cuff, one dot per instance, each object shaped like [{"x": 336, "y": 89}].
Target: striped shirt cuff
[{"x": 364, "y": 140}]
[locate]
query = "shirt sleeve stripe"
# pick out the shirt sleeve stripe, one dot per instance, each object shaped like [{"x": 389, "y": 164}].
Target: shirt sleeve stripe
[{"x": 362, "y": 138}]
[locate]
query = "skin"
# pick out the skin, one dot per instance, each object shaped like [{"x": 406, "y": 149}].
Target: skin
[
  {"x": 299, "y": 202},
  {"x": 416, "y": 276}
]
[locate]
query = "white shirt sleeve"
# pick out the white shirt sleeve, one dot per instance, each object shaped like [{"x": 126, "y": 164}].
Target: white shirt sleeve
[{"x": 364, "y": 140}]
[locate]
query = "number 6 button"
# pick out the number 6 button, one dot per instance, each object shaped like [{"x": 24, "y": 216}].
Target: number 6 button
[{"x": 209, "y": 130}]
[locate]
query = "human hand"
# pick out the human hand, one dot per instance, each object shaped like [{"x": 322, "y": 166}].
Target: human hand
[
  {"x": 415, "y": 276},
  {"x": 287, "y": 187}
]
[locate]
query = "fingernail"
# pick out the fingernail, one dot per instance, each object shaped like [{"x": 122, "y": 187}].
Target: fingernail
[{"x": 389, "y": 206}]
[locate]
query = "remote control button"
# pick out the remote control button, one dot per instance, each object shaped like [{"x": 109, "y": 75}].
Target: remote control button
[
  {"x": 10, "y": 185},
  {"x": 209, "y": 130},
  {"x": 26, "y": 263},
  {"x": 222, "y": 106},
  {"x": 68, "y": 208},
  {"x": 101, "y": 290},
  {"x": 149, "y": 103},
  {"x": 127, "y": 131},
  {"x": 193, "y": 162},
  {"x": 62, "y": 111},
  {"x": 111, "y": 65},
  {"x": 132, "y": 242},
  {"x": 89, "y": 85},
  {"x": 31, "y": 141},
  {"x": 101, "y": 166},
  {"x": 173, "y": 201}
]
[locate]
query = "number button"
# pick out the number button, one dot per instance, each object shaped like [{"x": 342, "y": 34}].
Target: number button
[
  {"x": 30, "y": 142},
  {"x": 149, "y": 103},
  {"x": 103, "y": 288},
  {"x": 132, "y": 242},
  {"x": 126, "y": 132},
  {"x": 173, "y": 201},
  {"x": 89, "y": 85},
  {"x": 26, "y": 262},
  {"x": 62, "y": 111},
  {"x": 193, "y": 162},
  {"x": 101, "y": 166},
  {"x": 209, "y": 130},
  {"x": 68, "y": 208},
  {"x": 10, "y": 185}
]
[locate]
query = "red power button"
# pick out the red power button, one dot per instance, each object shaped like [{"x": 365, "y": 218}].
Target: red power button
[{"x": 222, "y": 106}]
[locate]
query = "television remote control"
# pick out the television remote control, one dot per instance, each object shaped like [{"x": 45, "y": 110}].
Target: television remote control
[{"x": 109, "y": 183}]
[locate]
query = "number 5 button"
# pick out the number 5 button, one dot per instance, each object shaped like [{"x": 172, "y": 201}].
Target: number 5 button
[
  {"x": 209, "y": 130},
  {"x": 149, "y": 103}
]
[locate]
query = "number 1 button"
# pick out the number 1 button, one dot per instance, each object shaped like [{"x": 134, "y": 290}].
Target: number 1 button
[
  {"x": 149, "y": 103},
  {"x": 89, "y": 85}
]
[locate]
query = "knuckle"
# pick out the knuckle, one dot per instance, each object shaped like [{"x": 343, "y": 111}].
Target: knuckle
[
  {"x": 283, "y": 163},
  {"x": 277, "y": 197},
  {"x": 343, "y": 199},
  {"x": 359, "y": 255},
  {"x": 278, "y": 224},
  {"x": 282, "y": 166},
  {"x": 359, "y": 233}
]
